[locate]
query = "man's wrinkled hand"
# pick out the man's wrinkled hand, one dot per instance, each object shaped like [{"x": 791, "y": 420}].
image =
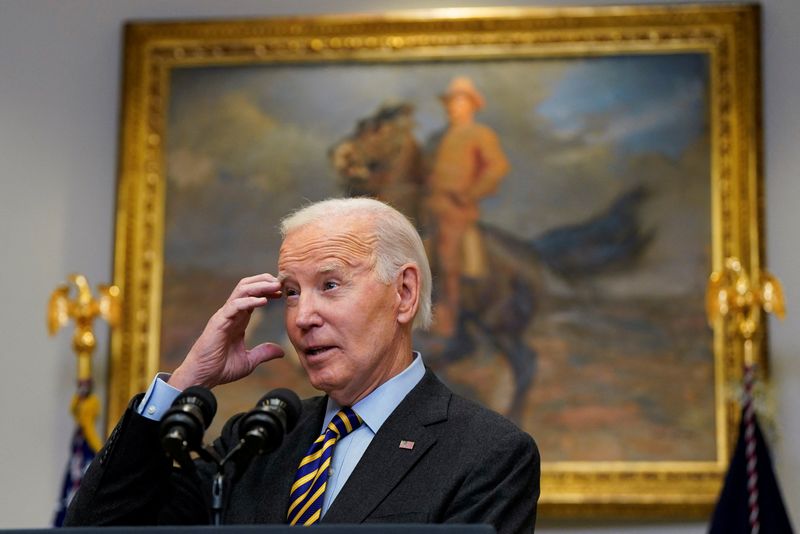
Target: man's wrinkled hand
[{"x": 219, "y": 355}]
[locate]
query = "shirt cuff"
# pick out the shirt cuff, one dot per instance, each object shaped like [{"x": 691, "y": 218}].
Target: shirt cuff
[{"x": 158, "y": 399}]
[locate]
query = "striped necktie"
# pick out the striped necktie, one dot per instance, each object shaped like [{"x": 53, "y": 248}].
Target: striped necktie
[{"x": 308, "y": 490}]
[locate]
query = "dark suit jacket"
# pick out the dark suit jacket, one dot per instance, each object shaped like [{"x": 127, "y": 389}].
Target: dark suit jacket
[{"x": 467, "y": 465}]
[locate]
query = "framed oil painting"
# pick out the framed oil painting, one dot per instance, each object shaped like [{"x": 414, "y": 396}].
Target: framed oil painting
[{"x": 621, "y": 148}]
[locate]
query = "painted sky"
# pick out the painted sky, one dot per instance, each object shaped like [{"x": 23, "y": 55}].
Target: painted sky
[{"x": 246, "y": 144}]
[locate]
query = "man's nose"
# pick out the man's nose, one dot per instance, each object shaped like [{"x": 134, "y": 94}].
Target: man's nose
[{"x": 307, "y": 311}]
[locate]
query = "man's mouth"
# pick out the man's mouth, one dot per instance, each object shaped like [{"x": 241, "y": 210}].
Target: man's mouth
[{"x": 315, "y": 351}]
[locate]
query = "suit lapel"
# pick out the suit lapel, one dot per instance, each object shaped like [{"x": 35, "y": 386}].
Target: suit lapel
[{"x": 385, "y": 463}]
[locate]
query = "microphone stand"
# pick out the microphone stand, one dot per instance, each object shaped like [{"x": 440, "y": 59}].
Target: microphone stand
[
  {"x": 261, "y": 435},
  {"x": 245, "y": 449},
  {"x": 263, "y": 430},
  {"x": 207, "y": 453},
  {"x": 216, "y": 497}
]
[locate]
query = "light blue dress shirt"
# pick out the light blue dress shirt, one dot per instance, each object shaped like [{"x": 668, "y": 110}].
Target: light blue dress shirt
[
  {"x": 373, "y": 409},
  {"x": 158, "y": 398}
]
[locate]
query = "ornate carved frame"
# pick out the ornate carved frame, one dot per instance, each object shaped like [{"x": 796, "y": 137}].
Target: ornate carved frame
[{"x": 729, "y": 34}]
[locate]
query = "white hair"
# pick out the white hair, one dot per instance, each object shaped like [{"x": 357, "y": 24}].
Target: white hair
[{"x": 398, "y": 242}]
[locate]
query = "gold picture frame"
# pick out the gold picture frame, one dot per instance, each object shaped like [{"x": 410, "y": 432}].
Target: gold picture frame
[{"x": 727, "y": 38}]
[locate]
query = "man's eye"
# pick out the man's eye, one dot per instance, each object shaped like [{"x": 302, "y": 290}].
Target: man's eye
[
  {"x": 290, "y": 292},
  {"x": 330, "y": 285}
]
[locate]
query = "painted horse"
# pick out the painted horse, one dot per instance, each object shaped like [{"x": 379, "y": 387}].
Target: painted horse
[{"x": 381, "y": 158}]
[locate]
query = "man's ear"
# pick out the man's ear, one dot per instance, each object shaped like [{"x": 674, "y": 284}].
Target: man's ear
[{"x": 408, "y": 288}]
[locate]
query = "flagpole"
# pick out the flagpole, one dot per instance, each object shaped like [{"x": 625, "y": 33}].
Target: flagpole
[
  {"x": 748, "y": 412},
  {"x": 733, "y": 293},
  {"x": 85, "y": 405}
]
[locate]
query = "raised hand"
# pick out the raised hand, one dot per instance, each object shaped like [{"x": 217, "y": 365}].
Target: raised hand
[{"x": 219, "y": 355}]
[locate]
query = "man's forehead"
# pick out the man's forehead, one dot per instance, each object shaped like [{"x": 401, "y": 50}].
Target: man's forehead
[
  {"x": 332, "y": 266},
  {"x": 328, "y": 247}
]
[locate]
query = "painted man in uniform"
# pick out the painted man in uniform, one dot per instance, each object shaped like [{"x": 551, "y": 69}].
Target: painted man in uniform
[{"x": 468, "y": 166}]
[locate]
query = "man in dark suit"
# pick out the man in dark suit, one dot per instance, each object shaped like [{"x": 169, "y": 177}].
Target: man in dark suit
[{"x": 356, "y": 281}]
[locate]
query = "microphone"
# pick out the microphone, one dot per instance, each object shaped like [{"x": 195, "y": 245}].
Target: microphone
[
  {"x": 184, "y": 424},
  {"x": 261, "y": 430}
]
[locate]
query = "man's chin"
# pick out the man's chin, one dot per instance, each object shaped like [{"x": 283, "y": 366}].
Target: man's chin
[{"x": 321, "y": 383}]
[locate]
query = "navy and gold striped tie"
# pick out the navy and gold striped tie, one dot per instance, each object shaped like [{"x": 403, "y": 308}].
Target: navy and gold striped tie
[{"x": 308, "y": 490}]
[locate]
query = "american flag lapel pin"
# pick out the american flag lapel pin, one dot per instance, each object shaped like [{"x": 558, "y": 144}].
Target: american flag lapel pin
[{"x": 405, "y": 444}]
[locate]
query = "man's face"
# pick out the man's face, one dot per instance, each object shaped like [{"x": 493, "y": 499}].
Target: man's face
[
  {"x": 459, "y": 107},
  {"x": 340, "y": 318}
]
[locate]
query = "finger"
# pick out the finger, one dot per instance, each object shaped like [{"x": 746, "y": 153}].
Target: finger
[
  {"x": 257, "y": 288},
  {"x": 257, "y": 277},
  {"x": 264, "y": 353},
  {"x": 263, "y": 277},
  {"x": 234, "y": 307}
]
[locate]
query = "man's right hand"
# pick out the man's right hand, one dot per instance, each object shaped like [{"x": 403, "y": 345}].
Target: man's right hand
[{"x": 219, "y": 355}]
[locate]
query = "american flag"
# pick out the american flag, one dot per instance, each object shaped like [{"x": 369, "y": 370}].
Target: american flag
[{"x": 80, "y": 457}]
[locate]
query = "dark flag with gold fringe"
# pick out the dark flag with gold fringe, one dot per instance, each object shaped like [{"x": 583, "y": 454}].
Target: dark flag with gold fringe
[{"x": 751, "y": 500}]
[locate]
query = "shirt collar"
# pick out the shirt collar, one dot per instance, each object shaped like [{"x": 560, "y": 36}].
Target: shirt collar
[{"x": 376, "y": 407}]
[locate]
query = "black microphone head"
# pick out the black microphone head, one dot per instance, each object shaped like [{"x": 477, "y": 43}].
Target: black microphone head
[
  {"x": 202, "y": 398},
  {"x": 291, "y": 404},
  {"x": 183, "y": 425},
  {"x": 262, "y": 428}
]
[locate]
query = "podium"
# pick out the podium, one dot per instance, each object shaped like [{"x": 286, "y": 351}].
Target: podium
[{"x": 373, "y": 528}]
